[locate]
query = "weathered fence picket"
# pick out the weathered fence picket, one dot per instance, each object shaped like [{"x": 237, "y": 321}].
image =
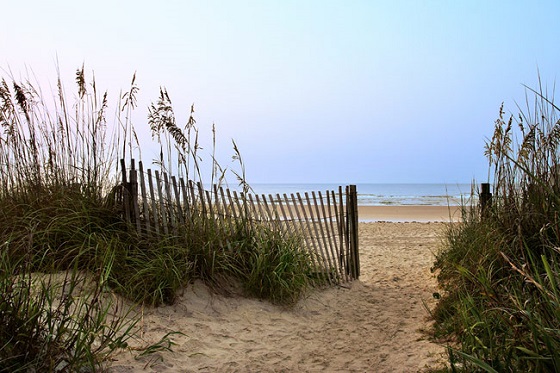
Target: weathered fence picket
[{"x": 158, "y": 203}]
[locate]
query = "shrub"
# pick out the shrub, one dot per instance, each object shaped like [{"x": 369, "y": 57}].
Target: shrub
[
  {"x": 500, "y": 273},
  {"x": 58, "y": 217},
  {"x": 58, "y": 322}
]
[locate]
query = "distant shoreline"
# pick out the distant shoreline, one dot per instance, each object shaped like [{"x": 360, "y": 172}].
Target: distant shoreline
[{"x": 372, "y": 194}]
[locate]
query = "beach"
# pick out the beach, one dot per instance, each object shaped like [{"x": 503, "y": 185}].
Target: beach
[
  {"x": 375, "y": 324},
  {"x": 409, "y": 213}
]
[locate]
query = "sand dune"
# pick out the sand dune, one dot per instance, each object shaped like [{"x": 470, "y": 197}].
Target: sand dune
[{"x": 372, "y": 325}]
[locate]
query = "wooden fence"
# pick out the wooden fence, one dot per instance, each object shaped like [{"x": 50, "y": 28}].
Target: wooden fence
[{"x": 155, "y": 203}]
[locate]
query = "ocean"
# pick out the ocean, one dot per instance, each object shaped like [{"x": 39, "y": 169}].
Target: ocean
[{"x": 383, "y": 194}]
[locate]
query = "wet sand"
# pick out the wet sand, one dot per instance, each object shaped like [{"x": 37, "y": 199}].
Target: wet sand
[{"x": 408, "y": 213}]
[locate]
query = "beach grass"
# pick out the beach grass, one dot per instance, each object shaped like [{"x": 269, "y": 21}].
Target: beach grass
[
  {"x": 66, "y": 249},
  {"x": 65, "y": 321},
  {"x": 500, "y": 268}
]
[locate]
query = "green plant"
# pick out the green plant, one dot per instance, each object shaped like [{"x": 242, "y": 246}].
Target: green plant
[
  {"x": 61, "y": 214},
  {"x": 151, "y": 272},
  {"x": 500, "y": 272},
  {"x": 270, "y": 265},
  {"x": 59, "y": 235},
  {"x": 58, "y": 322}
]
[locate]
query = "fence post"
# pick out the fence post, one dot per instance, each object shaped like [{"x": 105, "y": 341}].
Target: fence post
[
  {"x": 352, "y": 216},
  {"x": 133, "y": 190},
  {"x": 125, "y": 193},
  {"x": 130, "y": 193},
  {"x": 485, "y": 199}
]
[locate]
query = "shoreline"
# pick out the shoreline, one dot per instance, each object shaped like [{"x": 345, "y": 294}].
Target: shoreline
[{"x": 409, "y": 213}]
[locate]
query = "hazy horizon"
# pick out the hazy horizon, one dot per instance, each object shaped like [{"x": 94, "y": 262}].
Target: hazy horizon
[{"x": 311, "y": 91}]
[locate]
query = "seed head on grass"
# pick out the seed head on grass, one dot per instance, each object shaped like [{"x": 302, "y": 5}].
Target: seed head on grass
[
  {"x": 59, "y": 196},
  {"x": 500, "y": 272}
]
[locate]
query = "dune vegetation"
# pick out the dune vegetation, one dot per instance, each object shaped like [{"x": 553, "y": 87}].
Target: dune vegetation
[
  {"x": 65, "y": 250},
  {"x": 500, "y": 268}
]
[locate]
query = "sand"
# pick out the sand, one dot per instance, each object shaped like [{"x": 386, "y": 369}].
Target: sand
[
  {"x": 409, "y": 213},
  {"x": 375, "y": 324}
]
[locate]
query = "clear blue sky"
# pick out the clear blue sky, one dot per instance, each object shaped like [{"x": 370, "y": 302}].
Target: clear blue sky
[{"x": 342, "y": 91}]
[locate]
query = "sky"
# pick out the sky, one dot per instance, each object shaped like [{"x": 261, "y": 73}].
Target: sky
[{"x": 312, "y": 91}]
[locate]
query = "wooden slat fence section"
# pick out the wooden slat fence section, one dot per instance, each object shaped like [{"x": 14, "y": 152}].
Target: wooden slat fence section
[{"x": 327, "y": 222}]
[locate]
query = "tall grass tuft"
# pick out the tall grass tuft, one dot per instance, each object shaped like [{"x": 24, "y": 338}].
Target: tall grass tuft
[
  {"x": 66, "y": 249},
  {"x": 58, "y": 322},
  {"x": 268, "y": 264},
  {"x": 58, "y": 233},
  {"x": 500, "y": 271}
]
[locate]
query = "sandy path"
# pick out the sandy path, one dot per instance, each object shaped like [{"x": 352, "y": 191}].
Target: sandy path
[{"x": 372, "y": 326}]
